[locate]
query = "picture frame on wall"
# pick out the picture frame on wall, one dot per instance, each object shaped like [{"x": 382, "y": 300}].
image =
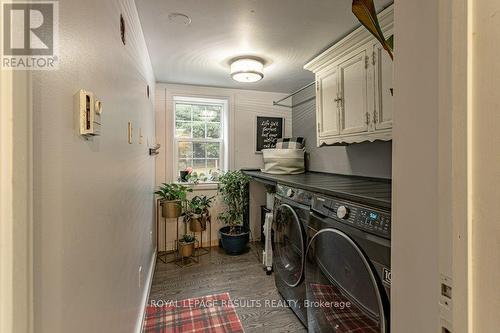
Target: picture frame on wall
[{"x": 267, "y": 130}]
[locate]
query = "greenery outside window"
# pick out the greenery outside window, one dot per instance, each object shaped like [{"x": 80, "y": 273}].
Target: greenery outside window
[{"x": 199, "y": 134}]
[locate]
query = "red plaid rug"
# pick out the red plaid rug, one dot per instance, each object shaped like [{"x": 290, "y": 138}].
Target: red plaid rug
[
  {"x": 346, "y": 320},
  {"x": 208, "y": 314}
]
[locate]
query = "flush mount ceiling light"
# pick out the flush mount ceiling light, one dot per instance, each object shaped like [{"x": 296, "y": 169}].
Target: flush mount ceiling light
[{"x": 247, "y": 70}]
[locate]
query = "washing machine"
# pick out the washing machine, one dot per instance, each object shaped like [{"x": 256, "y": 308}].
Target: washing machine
[
  {"x": 348, "y": 267},
  {"x": 291, "y": 216}
]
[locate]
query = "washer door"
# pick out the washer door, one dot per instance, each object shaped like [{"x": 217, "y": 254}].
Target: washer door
[
  {"x": 288, "y": 245},
  {"x": 342, "y": 291}
]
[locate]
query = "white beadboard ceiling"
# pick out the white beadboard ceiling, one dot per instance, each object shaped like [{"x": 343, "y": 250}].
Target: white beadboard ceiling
[{"x": 285, "y": 33}]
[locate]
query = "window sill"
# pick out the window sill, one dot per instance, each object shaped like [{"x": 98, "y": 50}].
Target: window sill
[{"x": 201, "y": 186}]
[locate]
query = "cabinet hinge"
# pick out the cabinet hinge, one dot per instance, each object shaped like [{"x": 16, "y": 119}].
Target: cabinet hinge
[
  {"x": 375, "y": 116},
  {"x": 317, "y": 85},
  {"x": 374, "y": 55},
  {"x": 367, "y": 60},
  {"x": 319, "y": 127},
  {"x": 367, "y": 119}
]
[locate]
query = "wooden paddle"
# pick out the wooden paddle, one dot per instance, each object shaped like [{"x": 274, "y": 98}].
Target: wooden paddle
[{"x": 364, "y": 10}]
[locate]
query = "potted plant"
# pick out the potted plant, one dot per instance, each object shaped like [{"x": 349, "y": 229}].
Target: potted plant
[
  {"x": 171, "y": 197},
  {"x": 233, "y": 188},
  {"x": 198, "y": 212},
  {"x": 186, "y": 245}
]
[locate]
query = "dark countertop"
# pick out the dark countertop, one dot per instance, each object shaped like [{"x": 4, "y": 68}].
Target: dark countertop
[{"x": 369, "y": 191}]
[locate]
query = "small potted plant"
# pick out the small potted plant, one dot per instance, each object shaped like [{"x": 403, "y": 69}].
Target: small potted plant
[
  {"x": 198, "y": 212},
  {"x": 186, "y": 245},
  {"x": 171, "y": 197},
  {"x": 233, "y": 188}
]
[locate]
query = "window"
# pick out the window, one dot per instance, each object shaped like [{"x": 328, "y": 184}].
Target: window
[{"x": 199, "y": 134}]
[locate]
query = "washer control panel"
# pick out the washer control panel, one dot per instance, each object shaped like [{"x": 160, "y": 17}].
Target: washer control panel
[
  {"x": 373, "y": 220},
  {"x": 295, "y": 194}
]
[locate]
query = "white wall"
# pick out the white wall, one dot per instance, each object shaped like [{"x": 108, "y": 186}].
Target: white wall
[
  {"x": 415, "y": 251},
  {"x": 244, "y": 106},
  {"x": 93, "y": 199},
  {"x": 486, "y": 166}
]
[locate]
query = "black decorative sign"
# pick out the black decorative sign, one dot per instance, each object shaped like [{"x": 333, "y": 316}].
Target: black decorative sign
[{"x": 269, "y": 129}]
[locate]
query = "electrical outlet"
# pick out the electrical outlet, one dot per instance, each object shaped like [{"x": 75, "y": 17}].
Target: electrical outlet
[
  {"x": 446, "y": 292},
  {"x": 140, "y": 277}
]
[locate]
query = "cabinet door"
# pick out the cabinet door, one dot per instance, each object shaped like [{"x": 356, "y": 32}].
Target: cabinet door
[
  {"x": 327, "y": 103},
  {"x": 383, "y": 88},
  {"x": 354, "y": 117}
]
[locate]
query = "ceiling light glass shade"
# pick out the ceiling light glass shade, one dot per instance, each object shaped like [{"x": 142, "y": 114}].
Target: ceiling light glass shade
[{"x": 247, "y": 70}]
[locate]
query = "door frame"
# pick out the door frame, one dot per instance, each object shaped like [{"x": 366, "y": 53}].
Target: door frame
[
  {"x": 455, "y": 167},
  {"x": 16, "y": 203},
  {"x": 447, "y": 172}
]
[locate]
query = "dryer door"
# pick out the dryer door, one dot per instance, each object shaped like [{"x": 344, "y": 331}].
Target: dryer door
[
  {"x": 342, "y": 291},
  {"x": 288, "y": 245}
]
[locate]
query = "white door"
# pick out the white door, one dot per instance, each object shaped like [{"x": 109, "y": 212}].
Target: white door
[
  {"x": 383, "y": 88},
  {"x": 354, "y": 117},
  {"x": 327, "y": 103}
]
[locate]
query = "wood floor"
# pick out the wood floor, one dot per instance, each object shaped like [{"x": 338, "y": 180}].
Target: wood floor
[{"x": 242, "y": 276}]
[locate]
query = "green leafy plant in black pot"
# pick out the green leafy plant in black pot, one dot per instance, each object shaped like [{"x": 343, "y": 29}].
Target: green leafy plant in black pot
[
  {"x": 233, "y": 188},
  {"x": 172, "y": 197},
  {"x": 199, "y": 213}
]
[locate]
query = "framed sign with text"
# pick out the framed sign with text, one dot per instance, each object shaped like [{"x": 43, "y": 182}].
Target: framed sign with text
[{"x": 268, "y": 130}]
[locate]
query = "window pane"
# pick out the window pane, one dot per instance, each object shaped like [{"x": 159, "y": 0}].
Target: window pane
[
  {"x": 206, "y": 112},
  {"x": 213, "y": 150},
  {"x": 184, "y": 163},
  {"x": 199, "y": 150},
  {"x": 182, "y": 111},
  {"x": 218, "y": 112},
  {"x": 213, "y": 164},
  {"x": 199, "y": 165},
  {"x": 213, "y": 130},
  {"x": 183, "y": 129},
  {"x": 185, "y": 149},
  {"x": 199, "y": 130}
]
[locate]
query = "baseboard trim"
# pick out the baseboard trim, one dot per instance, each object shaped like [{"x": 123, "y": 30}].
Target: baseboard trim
[{"x": 145, "y": 296}]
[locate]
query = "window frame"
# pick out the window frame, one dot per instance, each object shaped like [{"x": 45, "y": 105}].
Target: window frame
[{"x": 223, "y": 144}]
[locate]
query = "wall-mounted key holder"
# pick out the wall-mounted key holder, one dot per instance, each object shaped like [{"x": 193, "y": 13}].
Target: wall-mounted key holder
[{"x": 89, "y": 110}]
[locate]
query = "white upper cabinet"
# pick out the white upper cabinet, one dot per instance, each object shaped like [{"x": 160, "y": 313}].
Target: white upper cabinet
[
  {"x": 353, "y": 94},
  {"x": 354, "y": 88},
  {"x": 326, "y": 98}
]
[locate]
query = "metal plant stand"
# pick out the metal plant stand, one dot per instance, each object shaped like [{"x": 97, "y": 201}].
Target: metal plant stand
[
  {"x": 176, "y": 258},
  {"x": 163, "y": 255},
  {"x": 203, "y": 250}
]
